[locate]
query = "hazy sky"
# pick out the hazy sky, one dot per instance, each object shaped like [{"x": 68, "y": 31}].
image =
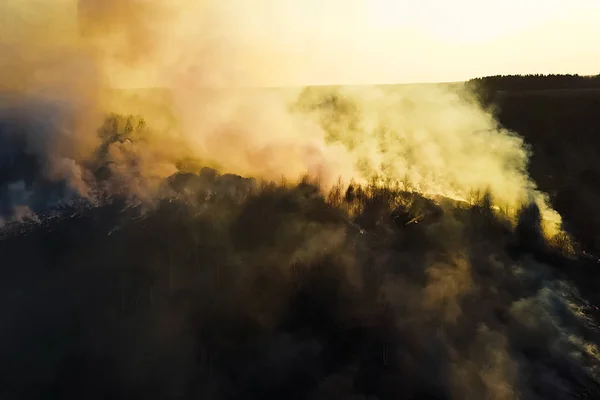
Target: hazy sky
[
  {"x": 433, "y": 40},
  {"x": 381, "y": 41}
]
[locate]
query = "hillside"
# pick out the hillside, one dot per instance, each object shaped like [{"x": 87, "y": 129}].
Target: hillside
[
  {"x": 212, "y": 285},
  {"x": 232, "y": 289}
]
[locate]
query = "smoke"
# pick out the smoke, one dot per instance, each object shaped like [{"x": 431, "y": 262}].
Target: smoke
[{"x": 430, "y": 137}]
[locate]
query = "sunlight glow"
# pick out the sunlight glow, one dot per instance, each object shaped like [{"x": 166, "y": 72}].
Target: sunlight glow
[{"x": 364, "y": 41}]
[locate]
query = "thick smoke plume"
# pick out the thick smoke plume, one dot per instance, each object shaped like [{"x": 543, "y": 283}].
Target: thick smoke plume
[{"x": 64, "y": 63}]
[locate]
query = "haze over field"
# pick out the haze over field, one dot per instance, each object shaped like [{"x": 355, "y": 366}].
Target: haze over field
[{"x": 201, "y": 51}]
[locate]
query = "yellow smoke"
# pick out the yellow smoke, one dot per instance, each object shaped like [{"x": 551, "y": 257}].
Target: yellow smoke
[{"x": 70, "y": 56}]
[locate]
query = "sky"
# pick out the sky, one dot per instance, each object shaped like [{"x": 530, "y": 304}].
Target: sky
[
  {"x": 432, "y": 40},
  {"x": 364, "y": 41}
]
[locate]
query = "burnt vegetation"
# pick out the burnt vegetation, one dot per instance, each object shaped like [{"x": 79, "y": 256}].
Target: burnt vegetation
[{"x": 230, "y": 288}]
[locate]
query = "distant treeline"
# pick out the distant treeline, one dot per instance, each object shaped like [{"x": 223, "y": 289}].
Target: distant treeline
[
  {"x": 536, "y": 82},
  {"x": 489, "y": 88}
]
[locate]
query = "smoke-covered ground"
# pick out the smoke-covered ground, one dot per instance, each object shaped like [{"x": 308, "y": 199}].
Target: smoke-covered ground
[
  {"x": 232, "y": 288},
  {"x": 220, "y": 287},
  {"x": 179, "y": 255}
]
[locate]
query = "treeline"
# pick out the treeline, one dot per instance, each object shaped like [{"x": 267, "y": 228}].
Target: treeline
[{"x": 536, "y": 82}]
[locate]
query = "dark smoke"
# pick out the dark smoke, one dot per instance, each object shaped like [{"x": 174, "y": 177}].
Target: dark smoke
[{"x": 228, "y": 288}]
